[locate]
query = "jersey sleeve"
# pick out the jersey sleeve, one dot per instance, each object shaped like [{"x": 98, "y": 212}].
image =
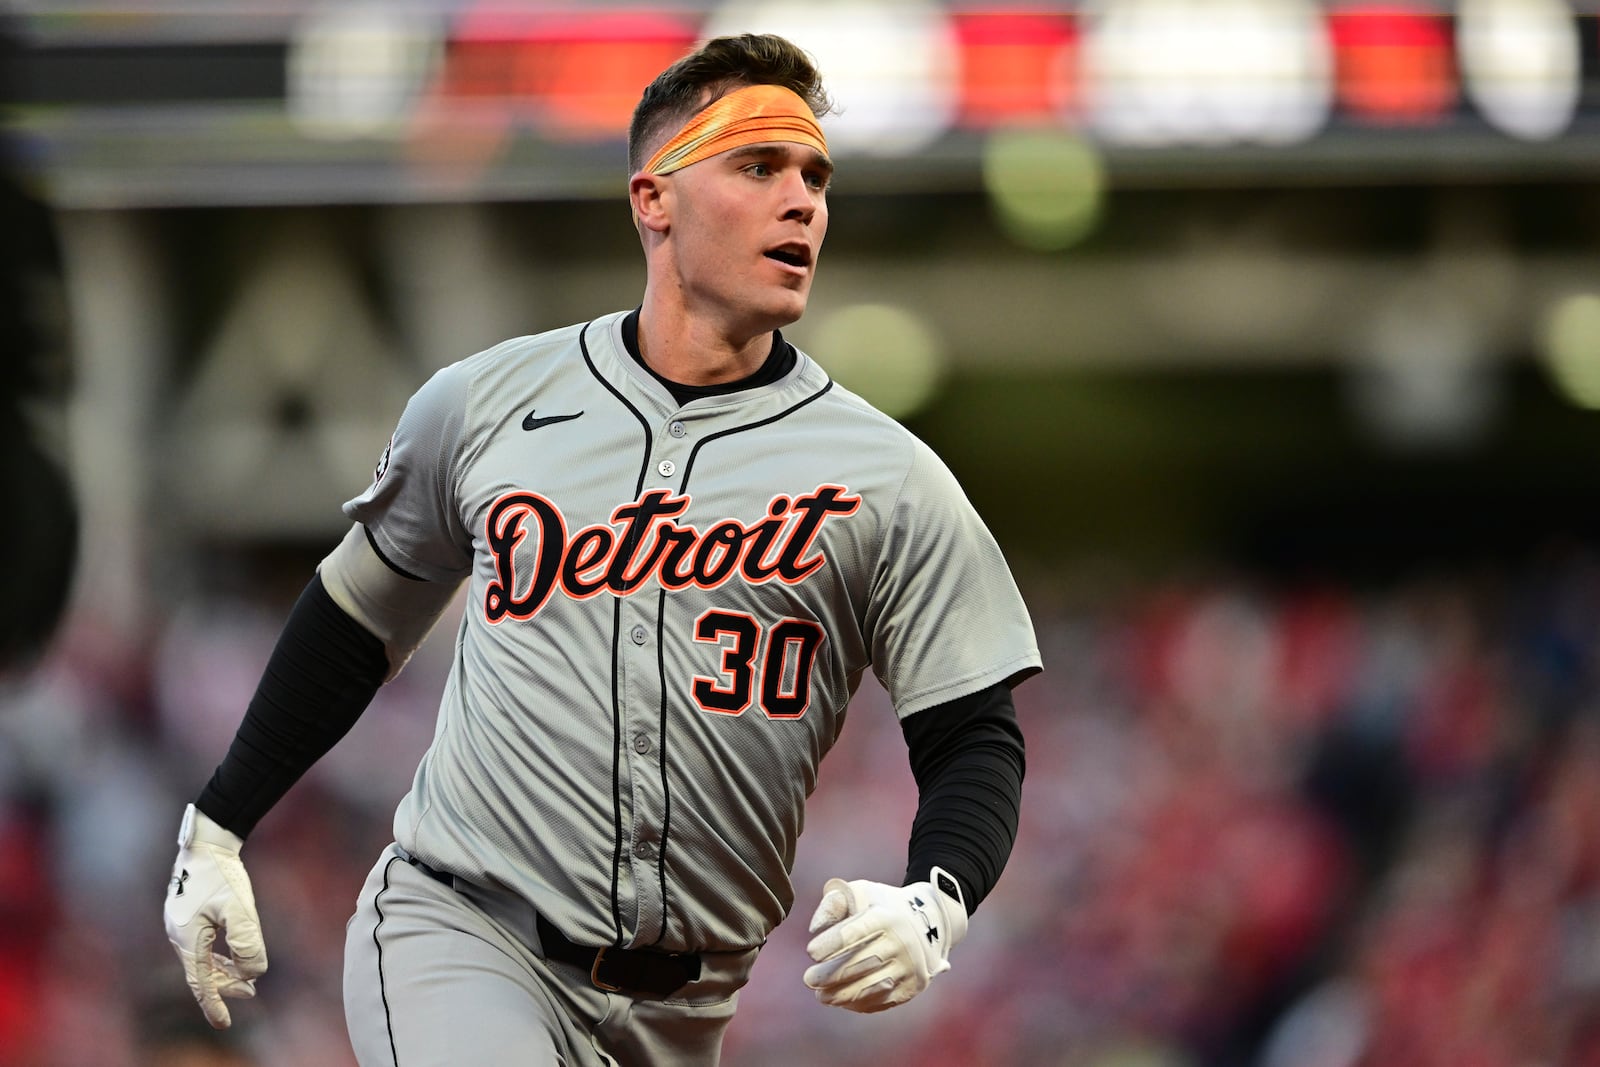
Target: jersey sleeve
[
  {"x": 945, "y": 616},
  {"x": 409, "y": 509}
]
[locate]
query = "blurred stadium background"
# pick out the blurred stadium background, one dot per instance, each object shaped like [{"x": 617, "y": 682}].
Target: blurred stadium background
[{"x": 1266, "y": 334}]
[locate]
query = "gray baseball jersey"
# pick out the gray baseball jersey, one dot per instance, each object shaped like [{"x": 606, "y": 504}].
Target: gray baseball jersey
[{"x": 668, "y": 610}]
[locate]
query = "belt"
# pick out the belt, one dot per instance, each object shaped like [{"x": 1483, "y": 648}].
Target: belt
[{"x": 611, "y": 968}]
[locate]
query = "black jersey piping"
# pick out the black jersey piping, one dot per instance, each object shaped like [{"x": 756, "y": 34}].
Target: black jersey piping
[
  {"x": 683, "y": 483},
  {"x": 383, "y": 990},
  {"x": 661, "y": 749},
  {"x": 387, "y": 562},
  {"x": 616, "y": 777},
  {"x": 616, "y": 639}
]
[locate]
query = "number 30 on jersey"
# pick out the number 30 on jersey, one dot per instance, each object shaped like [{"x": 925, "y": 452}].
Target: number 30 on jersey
[{"x": 774, "y": 665}]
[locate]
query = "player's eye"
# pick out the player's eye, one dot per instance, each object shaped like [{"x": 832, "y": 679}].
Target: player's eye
[
  {"x": 758, "y": 170},
  {"x": 817, "y": 180}
]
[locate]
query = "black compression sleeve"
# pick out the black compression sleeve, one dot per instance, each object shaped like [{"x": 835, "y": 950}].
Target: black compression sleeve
[
  {"x": 321, "y": 676},
  {"x": 968, "y": 760}
]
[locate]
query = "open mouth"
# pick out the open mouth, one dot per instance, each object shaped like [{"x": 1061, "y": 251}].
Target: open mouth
[{"x": 793, "y": 257}]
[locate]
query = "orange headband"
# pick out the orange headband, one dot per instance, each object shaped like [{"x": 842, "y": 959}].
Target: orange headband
[{"x": 747, "y": 116}]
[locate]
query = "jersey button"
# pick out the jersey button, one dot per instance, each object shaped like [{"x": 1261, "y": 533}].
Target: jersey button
[
  {"x": 677, "y": 429},
  {"x": 641, "y": 744},
  {"x": 644, "y": 850},
  {"x": 638, "y": 634},
  {"x": 666, "y": 468}
]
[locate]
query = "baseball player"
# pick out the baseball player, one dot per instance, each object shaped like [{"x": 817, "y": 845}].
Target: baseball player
[{"x": 682, "y": 545}]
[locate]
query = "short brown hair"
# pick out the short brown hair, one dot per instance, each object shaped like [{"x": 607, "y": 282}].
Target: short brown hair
[{"x": 713, "y": 70}]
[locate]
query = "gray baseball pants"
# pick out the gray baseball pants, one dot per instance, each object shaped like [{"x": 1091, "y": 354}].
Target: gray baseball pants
[{"x": 440, "y": 977}]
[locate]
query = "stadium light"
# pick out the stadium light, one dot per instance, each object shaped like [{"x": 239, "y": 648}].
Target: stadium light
[{"x": 1520, "y": 63}]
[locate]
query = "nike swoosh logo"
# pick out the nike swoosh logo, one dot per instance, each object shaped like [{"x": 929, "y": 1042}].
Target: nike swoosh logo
[{"x": 531, "y": 423}]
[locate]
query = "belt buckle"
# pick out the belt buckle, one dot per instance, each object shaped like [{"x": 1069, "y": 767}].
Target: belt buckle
[{"x": 594, "y": 972}]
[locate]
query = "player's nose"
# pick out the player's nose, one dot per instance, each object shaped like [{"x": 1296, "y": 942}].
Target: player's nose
[{"x": 798, "y": 199}]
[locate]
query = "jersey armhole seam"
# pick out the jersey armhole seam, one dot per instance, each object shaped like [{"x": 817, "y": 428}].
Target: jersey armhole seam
[
  {"x": 452, "y": 479},
  {"x": 372, "y": 540}
]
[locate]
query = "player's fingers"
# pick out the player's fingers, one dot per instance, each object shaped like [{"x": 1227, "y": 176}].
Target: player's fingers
[
  {"x": 246, "y": 947},
  {"x": 834, "y": 906},
  {"x": 873, "y": 986},
  {"x": 213, "y": 1008},
  {"x": 866, "y": 999},
  {"x": 236, "y": 989},
  {"x": 850, "y": 935},
  {"x": 824, "y": 974},
  {"x": 199, "y": 968},
  {"x": 860, "y": 983},
  {"x": 229, "y": 981},
  {"x": 846, "y": 969}
]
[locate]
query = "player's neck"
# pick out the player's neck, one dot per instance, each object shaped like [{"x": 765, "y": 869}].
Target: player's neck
[{"x": 692, "y": 350}]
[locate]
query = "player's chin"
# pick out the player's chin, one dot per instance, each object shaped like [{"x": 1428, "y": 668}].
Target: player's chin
[
  {"x": 775, "y": 314},
  {"x": 790, "y": 304}
]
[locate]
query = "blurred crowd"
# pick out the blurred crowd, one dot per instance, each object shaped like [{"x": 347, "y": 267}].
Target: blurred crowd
[{"x": 1266, "y": 824}]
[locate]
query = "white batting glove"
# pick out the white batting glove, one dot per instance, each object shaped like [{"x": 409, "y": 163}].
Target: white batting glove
[
  {"x": 878, "y": 945},
  {"x": 210, "y": 895}
]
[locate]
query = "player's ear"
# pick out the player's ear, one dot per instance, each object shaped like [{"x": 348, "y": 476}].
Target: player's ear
[{"x": 648, "y": 194}]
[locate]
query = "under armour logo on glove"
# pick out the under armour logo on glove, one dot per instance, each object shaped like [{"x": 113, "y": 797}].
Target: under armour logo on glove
[
  {"x": 919, "y": 906},
  {"x": 175, "y": 886}
]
